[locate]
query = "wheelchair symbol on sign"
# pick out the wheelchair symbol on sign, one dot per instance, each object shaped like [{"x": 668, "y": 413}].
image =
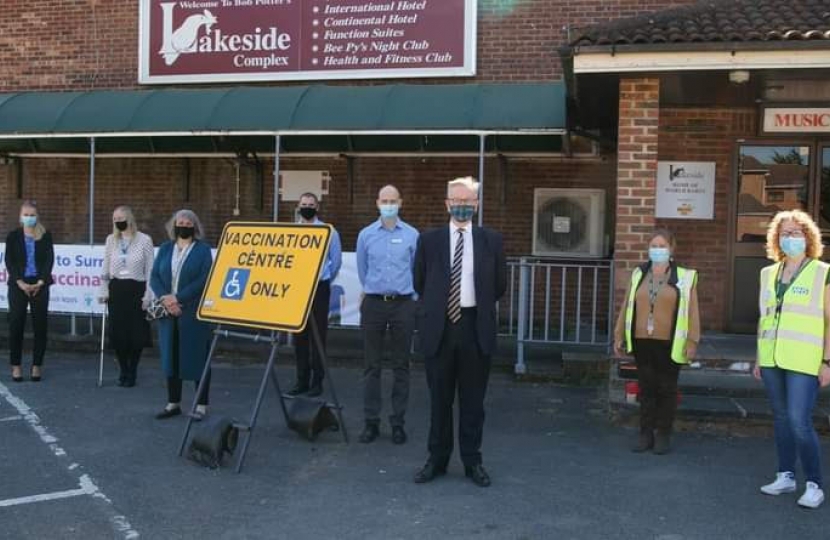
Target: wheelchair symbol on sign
[{"x": 235, "y": 282}]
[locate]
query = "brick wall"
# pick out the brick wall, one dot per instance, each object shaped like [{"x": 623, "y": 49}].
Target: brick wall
[
  {"x": 706, "y": 134},
  {"x": 636, "y": 168},
  {"x": 156, "y": 187},
  {"x": 83, "y": 44}
]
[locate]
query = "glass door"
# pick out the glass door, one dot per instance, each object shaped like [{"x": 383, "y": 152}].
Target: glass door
[
  {"x": 770, "y": 178},
  {"x": 824, "y": 196}
]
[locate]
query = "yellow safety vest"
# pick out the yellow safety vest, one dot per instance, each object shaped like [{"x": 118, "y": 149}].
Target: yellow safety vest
[
  {"x": 684, "y": 284},
  {"x": 791, "y": 332}
]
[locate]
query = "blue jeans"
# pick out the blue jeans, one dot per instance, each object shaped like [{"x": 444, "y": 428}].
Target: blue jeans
[{"x": 793, "y": 397}]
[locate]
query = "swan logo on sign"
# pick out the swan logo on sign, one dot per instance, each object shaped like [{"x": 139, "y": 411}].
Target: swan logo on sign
[
  {"x": 235, "y": 282},
  {"x": 189, "y": 37}
]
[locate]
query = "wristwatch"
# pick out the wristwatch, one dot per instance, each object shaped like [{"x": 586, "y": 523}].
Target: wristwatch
[{"x": 826, "y": 362}]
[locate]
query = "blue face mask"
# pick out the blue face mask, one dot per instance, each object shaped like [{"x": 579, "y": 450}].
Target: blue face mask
[
  {"x": 388, "y": 211},
  {"x": 28, "y": 221},
  {"x": 659, "y": 255},
  {"x": 793, "y": 246},
  {"x": 462, "y": 213}
]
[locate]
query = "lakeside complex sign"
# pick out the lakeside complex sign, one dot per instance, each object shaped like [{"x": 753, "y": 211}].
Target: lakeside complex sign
[
  {"x": 280, "y": 40},
  {"x": 797, "y": 120}
]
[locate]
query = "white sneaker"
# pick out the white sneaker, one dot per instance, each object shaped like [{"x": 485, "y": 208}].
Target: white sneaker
[
  {"x": 813, "y": 496},
  {"x": 784, "y": 483}
]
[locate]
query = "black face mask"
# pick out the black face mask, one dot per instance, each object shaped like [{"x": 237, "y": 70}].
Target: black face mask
[
  {"x": 307, "y": 212},
  {"x": 184, "y": 232},
  {"x": 121, "y": 225}
]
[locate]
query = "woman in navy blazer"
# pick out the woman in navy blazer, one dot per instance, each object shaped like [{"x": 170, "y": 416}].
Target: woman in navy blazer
[
  {"x": 30, "y": 256},
  {"x": 179, "y": 276}
]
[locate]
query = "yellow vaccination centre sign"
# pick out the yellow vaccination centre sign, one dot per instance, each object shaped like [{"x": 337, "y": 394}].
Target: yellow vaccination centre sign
[{"x": 265, "y": 275}]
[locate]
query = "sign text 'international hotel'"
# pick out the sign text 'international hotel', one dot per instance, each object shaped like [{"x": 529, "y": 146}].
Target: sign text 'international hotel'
[{"x": 260, "y": 40}]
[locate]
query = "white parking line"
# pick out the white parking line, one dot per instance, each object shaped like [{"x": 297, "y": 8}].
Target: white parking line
[
  {"x": 55, "y": 495},
  {"x": 11, "y": 418},
  {"x": 87, "y": 486}
]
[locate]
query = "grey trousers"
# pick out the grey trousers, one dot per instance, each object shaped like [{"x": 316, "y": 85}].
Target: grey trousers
[{"x": 375, "y": 316}]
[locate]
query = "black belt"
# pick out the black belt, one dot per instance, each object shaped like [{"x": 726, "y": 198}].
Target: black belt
[{"x": 391, "y": 297}]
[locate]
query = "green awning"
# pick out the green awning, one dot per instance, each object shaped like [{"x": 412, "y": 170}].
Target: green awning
[{"x": 327, "y": 118}]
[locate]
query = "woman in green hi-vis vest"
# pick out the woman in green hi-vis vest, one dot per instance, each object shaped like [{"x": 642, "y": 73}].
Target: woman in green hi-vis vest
[{"x": 794, "y": 348}]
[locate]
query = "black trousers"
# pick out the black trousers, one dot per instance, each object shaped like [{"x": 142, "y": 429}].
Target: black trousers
[
  {"x": 174, "y": 383},
  {"x": 657, "y": 374},
  {"x": 459, "y": 366},
  {"x": 309, "y": 363},
  {"x": 129, "y": 332},
  {"x": 19, "y": 302},
  {"x": 376, "y": 314}
]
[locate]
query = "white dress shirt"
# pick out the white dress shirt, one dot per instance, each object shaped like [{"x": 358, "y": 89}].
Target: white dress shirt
[{"x": 468, "y": 285}]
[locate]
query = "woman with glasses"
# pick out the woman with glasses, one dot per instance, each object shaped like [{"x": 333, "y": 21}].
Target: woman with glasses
[
  {"x": 660, "y": 325},
  {"x": 30, "y": 256},
  {"x": 128, "y": 262},
  {"x": 794, "y": 348}
]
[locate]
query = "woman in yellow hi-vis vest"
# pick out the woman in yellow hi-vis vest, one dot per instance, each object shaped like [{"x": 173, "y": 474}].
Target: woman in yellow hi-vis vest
[
  {"x": 794, "y": 347},
  {"x": 660, "y": 325}
]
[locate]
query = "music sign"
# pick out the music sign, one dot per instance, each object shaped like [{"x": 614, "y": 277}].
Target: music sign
[
  {"x": 198, "y": 41},
  {"x": 265, "y": 275}
]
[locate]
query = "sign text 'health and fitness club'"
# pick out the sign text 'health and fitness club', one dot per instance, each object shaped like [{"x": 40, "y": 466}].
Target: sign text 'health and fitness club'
[{"x": 196, "y": 41}]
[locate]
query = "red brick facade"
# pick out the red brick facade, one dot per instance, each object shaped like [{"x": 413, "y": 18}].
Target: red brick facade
[
  {"x": 636, "y": 170},
  {"x": 83, "y": 44},
  {"x": 92, "y": 44}
]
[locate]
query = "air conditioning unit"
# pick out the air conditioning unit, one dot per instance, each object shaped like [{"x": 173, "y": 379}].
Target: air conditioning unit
[{"x": 569, "y": 222}]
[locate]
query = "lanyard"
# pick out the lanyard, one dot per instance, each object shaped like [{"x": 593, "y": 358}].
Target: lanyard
[
  {"x": 652, "y": 298},
  {"x": 781, "y": 287}
]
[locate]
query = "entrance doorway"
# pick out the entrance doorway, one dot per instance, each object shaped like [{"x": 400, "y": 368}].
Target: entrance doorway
[{"x": 770, "y": 177}]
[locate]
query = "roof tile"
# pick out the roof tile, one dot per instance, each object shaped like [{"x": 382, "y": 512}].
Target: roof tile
[{"x": 717, "y": 21}]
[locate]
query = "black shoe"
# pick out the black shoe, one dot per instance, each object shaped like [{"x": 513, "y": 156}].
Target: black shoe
[
  {"x": 429, "y": 472},
  {"x": 398, "y": 435},
  {"x": 169, "y": 413},
  {"x": 128, "y": 383},
  {"x": 644, "y": 442},
  {"x": 33, "y": 377},
  {"x": 478, "y": 475},
  {"x": 315, "y": 390},
  {"x": 370, "y": 433},
  {"x": 662, "y": 443},
  {"x": 298, "y": 389},
  {"x": 18, "y": 378}
]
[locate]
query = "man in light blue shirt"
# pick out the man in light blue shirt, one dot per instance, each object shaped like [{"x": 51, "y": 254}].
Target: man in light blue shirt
[
  {"x": 385, "y": 257},
  {"x": 309, "y": 365}
]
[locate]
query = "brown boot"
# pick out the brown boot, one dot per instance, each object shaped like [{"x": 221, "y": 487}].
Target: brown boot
[
  {"x": 644, "y": 442},
  {"x": 662, "y": 443}
]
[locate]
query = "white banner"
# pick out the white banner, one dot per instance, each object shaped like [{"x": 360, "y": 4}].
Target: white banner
[
  {"x": 78, "y": 268},
  {"x": 77, "y": 275},
  {"x": 344, "y": 306}
]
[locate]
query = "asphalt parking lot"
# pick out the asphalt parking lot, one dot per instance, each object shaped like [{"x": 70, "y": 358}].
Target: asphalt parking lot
[{"x": 85, "y": 462}]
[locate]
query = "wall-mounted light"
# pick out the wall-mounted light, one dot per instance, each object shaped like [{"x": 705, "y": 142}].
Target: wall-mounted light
[{"x": 739, "y": 76}]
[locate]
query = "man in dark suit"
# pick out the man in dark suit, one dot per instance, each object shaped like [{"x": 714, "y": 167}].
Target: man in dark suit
[{"x": 460, "y": 273}]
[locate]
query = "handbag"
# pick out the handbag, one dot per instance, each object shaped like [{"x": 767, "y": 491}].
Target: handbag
[{"x": 156, "y": 310}]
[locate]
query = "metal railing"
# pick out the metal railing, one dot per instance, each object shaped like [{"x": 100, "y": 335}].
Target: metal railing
[{"x": 557, "y": 302}]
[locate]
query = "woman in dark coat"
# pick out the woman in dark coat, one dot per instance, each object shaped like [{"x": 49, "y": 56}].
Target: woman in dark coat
[
  {"x": 30, "y": 256},
  {"x": 179, "y": 276}
]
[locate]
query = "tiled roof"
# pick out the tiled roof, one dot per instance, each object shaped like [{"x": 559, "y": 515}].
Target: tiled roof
[{"x": 717, "y": 21}]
